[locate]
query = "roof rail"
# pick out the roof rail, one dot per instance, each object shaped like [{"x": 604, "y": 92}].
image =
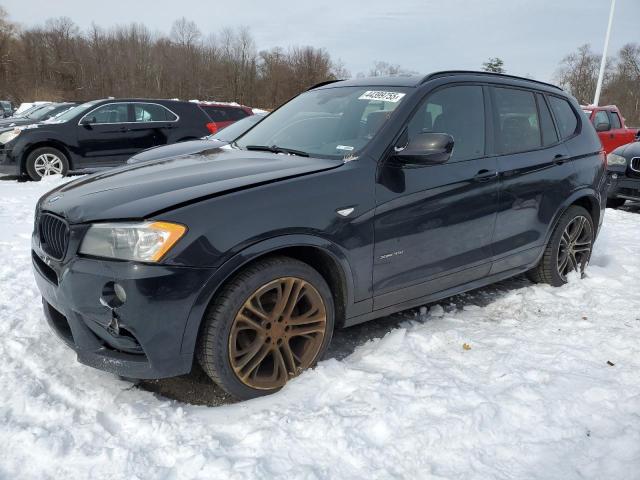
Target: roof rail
[
  {"x": 446, "y": 73},
  {"x": 322, "y": 84}
]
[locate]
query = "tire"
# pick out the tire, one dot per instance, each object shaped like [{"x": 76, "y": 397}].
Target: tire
[
  {"x": 615, "y": 202},
  {"x": 550, "y": 269},
  {"x": 46, "y": 161},
  {"x": 245, "y": 320}
]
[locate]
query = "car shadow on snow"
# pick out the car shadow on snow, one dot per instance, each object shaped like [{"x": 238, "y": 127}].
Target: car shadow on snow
[{"x": 196, "y": 388}]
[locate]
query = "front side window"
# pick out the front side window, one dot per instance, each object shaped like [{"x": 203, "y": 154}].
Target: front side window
[
  {"x": 517, "y": 120},
  {"x": 458, "y": 111},
  {"x": 152, "y": 112},
  {"x": 615, "y": 120},
  {"x": 328, "y": 122},
  {"x": 602, "y": 118},
  {"x": 110, "y": 113},
  {"x": 565, "y": 116}
]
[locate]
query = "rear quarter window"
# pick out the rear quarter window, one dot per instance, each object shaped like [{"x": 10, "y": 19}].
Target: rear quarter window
[
  {"x": 565, "y": 116},
  {"x": 218, "y": 113}
]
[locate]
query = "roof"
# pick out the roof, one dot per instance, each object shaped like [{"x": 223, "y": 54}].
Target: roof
[{"x": 416, "y": 80}]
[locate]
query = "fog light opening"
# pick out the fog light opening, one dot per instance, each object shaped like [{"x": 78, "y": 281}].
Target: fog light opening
[{"x": 113, "y": 295}]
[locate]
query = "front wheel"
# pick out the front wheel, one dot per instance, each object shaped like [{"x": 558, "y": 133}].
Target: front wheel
[
  {"x": 46, "y": 161},
  {"x": 270, "y": 323},
  {"x": 568, "y": 250}
]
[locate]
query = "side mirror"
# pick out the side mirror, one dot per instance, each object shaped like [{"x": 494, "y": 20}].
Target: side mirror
[
  {"x": 426, "y": 149},
  {"x": 87, "y": 121},
  {"x": 603, "y": 127}
]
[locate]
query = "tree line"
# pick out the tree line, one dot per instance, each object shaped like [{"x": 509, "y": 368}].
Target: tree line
[{"x": 59, "y": 61}]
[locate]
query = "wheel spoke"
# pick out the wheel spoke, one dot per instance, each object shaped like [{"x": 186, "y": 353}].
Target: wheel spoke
[
  {"x": 307, "y": 329},
  {"x": 249, "y": 324},
  {"x": 563, "y": 264},
  {"x": 255, "y": 360},
  {"x": 288, "y": 358},
  {"x": 257, "y": 311}
]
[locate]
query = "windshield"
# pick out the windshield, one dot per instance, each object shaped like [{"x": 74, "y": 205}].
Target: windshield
[
  {"x": 72, "y": 112},
  {"x": 327, "y": 123},
  {"x": 30, "y": 110},
  {"x": 43, "y": 112},
  {"x": 233, "y": 131}
]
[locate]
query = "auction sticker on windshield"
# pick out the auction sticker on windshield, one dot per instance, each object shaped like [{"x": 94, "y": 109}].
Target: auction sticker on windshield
[{"x": 392, "y": 97}]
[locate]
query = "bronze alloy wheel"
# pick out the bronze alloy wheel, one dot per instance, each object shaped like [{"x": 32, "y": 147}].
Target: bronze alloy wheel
[
  {"x": 575, "y": 246},
  {"x": 277, "y": 333}
]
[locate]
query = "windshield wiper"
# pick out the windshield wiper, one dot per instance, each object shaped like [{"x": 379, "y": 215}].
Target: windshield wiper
[{"x": 276, "y": 149}]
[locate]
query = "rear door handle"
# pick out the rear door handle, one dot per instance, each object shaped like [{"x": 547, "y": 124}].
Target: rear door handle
[
  {"x": 124, "y": 129},
  {"x": 485, "y": 175},
  {"x": 560, "y": 159}
]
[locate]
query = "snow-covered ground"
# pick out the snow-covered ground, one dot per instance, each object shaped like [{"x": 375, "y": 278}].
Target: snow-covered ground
[{"x": 547, "y": 388}]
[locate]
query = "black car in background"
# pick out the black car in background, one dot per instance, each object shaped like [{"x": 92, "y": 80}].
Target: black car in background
[
  {"x": 38, "y": 113},
  {"x": 354, "y": 200},
  {"x": 623, "y": 165},
  {"x": 6, "y": 109},
  {"x": 216, "y": 140},
  {"x": 99, "y": 134}
]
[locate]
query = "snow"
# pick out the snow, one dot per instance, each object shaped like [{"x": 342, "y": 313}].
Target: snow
[{"x": 548, "y": 387}]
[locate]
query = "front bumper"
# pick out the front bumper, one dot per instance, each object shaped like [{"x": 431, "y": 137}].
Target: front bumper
[
  {"x": 622, "y": 186},
  {"x": 8, "y": 165},
  {"x": 152, "y": 321}
]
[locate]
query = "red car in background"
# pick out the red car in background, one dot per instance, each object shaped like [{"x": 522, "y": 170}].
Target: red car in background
[
  {"x": 609, "y": 124},
  {"x": 223, "y": 114}
]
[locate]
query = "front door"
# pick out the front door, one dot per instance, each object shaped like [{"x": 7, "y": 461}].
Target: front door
[
  {"x": 434, "y": 224},
  {"x": 103, "y": 135},
  {"x": 152, "y": 126}
]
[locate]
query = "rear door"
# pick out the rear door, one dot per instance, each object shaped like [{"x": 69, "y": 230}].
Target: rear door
[
  {"x": 103, "y": 135},
  {"x": 152, "y": 126},
  {"x": 535, "y": 174},
  {"x": 434, "y": 224}
]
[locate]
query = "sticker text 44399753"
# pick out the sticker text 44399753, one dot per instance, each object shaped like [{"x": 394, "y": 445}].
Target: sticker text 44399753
[{"x": 392, "y": 97}]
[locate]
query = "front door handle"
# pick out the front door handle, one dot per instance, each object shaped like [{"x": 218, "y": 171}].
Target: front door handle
[
  {"x": 485, "y": 175},
  {"x": 560, "y": 159}
]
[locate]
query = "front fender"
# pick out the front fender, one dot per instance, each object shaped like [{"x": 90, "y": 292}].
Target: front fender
[{"x": 249, "y": 254}]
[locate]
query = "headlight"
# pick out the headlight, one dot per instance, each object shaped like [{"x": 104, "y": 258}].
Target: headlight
[
  {"x": 143, "y": 242},
  {"x": 6, "y": 137},
  {"x": 613, "y": 159}
]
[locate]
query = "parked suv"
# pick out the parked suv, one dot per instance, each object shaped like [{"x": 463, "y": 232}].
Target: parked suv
[
  {"x": 624, "y": 173},
  {"x": 99, "y": 134},
  {"x": 354, "y": 200},
  {"x": 224, "y": 114}
]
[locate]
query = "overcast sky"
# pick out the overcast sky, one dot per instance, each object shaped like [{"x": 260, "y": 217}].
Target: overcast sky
[{"x": 531, "y": 36}]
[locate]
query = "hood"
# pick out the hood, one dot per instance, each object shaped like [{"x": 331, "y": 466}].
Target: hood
[
  {"x": 141, "y": 190},
  {"x": 175, "y": 149},
  {"x": 9, "y": 123}
]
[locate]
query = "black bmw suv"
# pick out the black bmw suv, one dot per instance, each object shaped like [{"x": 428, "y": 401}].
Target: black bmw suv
[
  {"x": 624, "y": 174},
  {"x": 99, "y": 134},
  {"x": 352, "y": 201}
]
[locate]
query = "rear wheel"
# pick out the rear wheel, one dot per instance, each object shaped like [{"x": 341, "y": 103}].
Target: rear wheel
[
  {"x": 270, "y": 323},
  {"x": 568, "y": 250},
  {"x": 615, "y": 202},
  {"x": 46, "y": 161}
]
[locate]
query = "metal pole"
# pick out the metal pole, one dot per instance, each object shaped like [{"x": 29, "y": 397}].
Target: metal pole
[{"x": 603, "y": 62}]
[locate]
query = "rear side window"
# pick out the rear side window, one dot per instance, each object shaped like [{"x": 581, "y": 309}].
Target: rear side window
[
  {"x": 517, "y": 120},
  {"x": 549, "y": 134},
  {"x": 458, "y": 111},
  {"x": 219, "y": 113},
  {"x": 565, "y": 116},
  {"x": 152, "y": 112},
  {"x": 615, "y": 120}
]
